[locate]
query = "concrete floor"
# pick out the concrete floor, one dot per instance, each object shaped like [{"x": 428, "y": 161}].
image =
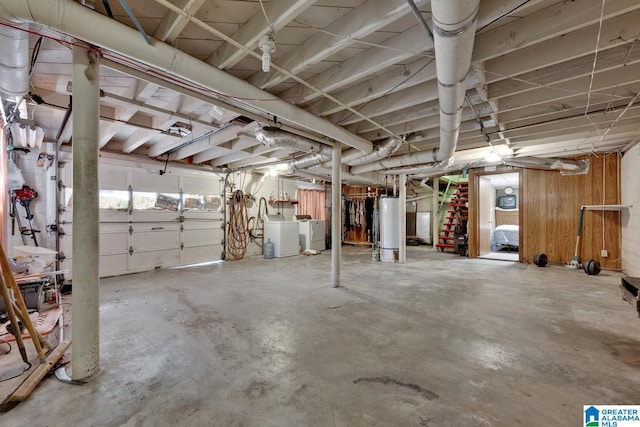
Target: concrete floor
[{"x": 439, "y": 341}]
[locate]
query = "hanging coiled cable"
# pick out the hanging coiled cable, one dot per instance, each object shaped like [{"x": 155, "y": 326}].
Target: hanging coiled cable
[{"x": 238, "y": 231}]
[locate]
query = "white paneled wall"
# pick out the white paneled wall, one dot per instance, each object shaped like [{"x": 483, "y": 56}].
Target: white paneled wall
[{"x": 631, "y": 217}]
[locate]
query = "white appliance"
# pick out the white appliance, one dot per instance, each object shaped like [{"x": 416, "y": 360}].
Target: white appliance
[
  {"x": 389, "y": 228},
  {"x": 423, "y": 226},
  {"x": 285, "y": 237},
  {"x": 312, "y": 235}
]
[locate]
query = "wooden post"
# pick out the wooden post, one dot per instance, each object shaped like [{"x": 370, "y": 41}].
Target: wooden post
[{"x": 7, "y": 275}]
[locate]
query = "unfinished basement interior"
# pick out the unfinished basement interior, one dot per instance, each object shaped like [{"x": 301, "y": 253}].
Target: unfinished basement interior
[{"x": 319, "y": 212}]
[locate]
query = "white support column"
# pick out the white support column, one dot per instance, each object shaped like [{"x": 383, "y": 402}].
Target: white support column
[
  {"x": 435, "y": 212},
  {"x": 4, "y": 236},
  {"x": 402, "y": 223},
  {"x": 85, "y": 277},
  {"x": 336, "y": 213}
]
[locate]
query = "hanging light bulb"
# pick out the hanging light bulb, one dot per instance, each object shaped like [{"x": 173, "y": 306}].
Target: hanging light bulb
[{"x": 267, "y": 45}]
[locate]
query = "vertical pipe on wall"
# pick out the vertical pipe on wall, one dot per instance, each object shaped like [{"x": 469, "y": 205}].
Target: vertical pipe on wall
[
  {"x": 336, "y": 211},
  {"x": 402, "y": 240},
  {"x": 85, "y": 276}
]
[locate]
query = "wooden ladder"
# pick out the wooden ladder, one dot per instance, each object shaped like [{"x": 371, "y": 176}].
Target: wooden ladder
[{"x": 456, "y": 219}]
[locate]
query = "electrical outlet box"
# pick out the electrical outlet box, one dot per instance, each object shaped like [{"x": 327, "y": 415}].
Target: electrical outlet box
[{"x": 604, "y": 253}]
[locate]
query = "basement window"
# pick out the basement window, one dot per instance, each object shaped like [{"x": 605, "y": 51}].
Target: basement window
[
  {"x": 114, "y": 199},
  {"x": 202, "y": 202}
]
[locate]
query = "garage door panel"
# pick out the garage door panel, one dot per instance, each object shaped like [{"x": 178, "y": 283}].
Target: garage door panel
[
  {"x": 142, "y": 261},
  {"x": 155, "y": 240},
  {"x": 113, "y": 264},
  {"x": 113, "y": 216},
  {"x": 201, "y": 254},
  {"x": 158, "y": 216},
  {"x": 202, "y": 237},
  {"x": 114, "y": 243},
  {"x": 113, "y": 178},
  {"x": 201, "y": 225},
  {"x": 152, "y": 183}
]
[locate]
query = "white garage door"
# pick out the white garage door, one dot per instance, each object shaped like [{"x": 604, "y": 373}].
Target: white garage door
[{"x": 149, "y": 220}]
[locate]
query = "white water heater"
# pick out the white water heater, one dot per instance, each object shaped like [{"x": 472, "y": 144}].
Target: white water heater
[{"x": 389, "y": 228}]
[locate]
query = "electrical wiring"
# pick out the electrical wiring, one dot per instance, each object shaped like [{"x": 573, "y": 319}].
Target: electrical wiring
[
  {"x": 502, "y": 16},
  {"x": 545, "y": 86},
  {"x": 343, "y": 37},
  {"x": 264, "y": 12},
  {"x": 595, "y": 59},
  {"x": 202, "y": 89},
  {"x": 238, "y": 231},
  {"x": 284, "y": 71},
  {"x": 389, "y": 91}
]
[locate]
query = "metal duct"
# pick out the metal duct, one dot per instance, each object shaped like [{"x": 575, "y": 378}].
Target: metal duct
[
  {"x": 73, "y": 19},
  {"x": 374, "y": 180},
  {"x": 14, "y": 61},
  {"x": 382, "y": 150},
  {"x": 405, "y": 160},
  {"x": 454, "y": 25},
  {"x": 566, "y": 167},
  {"x": 274, "y": 137},
  {"x": 308, "y": 161},
  {"x": 277, "y": 138}
]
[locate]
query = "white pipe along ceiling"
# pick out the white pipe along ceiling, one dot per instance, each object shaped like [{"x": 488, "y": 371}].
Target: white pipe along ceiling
[
  {"x": 454, "y": 25},
  {"x": 14, "y": 61}
]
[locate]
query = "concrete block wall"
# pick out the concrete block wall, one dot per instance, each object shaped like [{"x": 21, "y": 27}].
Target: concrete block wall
[{"x": 631, "y": 217}]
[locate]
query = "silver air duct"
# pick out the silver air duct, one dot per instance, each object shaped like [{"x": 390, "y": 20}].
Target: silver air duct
[
  {"x": 454, "y": 24},
  {"x": 14, "y": 61}
]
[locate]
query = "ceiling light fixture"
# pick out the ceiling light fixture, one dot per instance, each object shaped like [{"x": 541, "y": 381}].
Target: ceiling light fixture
[
  {"x": 267, "y": 45},
  {"x": 493, "y": 157}
]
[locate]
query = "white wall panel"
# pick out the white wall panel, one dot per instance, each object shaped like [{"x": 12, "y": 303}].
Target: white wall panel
[{"x": 631, "y": 217}]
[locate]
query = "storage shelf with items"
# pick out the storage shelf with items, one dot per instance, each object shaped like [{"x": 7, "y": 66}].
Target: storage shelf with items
[
  {"x": 284, "y": 202},
  {"x": 283, "y": 199}
]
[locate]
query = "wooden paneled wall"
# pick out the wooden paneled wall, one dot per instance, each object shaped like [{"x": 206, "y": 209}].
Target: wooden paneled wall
[
  {"x": 550, "y": 206},
  {"x": 551, "y": 202}
]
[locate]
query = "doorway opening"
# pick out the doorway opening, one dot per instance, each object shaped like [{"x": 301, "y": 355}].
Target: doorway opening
[{"x": 499, "y": 216}]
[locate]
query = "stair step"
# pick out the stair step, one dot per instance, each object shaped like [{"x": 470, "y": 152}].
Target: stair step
[{"x": 444, "y": 245}]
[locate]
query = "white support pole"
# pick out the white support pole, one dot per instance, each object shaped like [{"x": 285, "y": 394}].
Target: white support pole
[
  {"x": 4, "y": 211},
  {"x": 435, "y": 212},
  {"x": 402, "y": 223},
  {"x": 336, "y": 212},
  {"x": 85, "y": 277}
]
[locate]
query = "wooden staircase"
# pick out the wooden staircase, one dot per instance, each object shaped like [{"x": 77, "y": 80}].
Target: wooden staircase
[{"x": 456, "y": 219}]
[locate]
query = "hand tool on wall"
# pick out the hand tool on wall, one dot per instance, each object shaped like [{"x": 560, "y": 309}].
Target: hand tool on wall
[{"x": 25, "y": 195}]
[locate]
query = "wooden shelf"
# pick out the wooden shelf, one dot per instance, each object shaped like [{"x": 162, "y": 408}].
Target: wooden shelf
[{"x": 283, "y": 202}]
